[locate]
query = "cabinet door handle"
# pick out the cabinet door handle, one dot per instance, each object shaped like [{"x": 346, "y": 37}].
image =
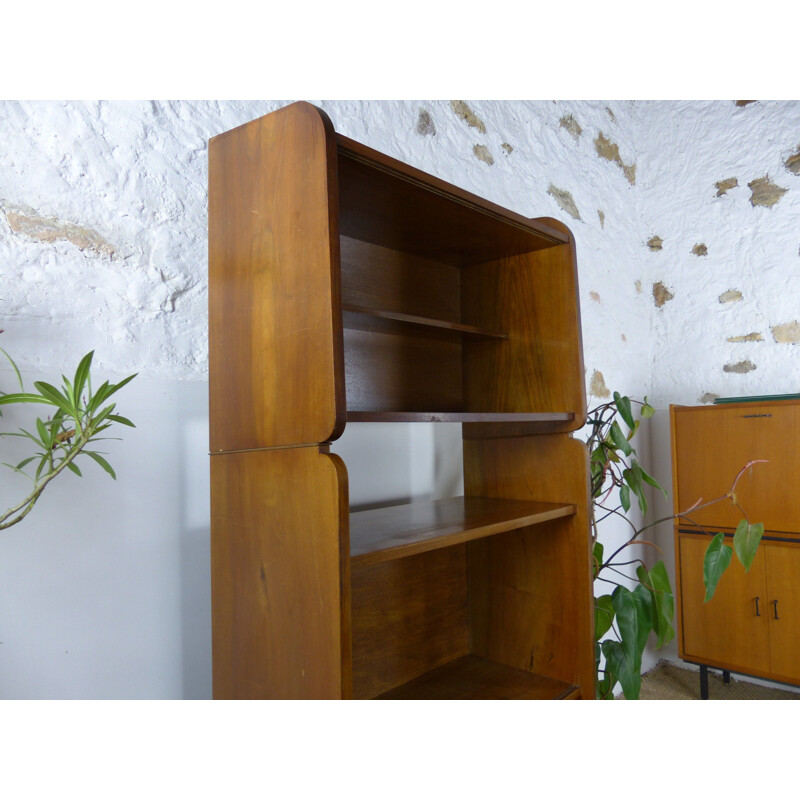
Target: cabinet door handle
[
  {"x": 758, "y": 613},
  {"x": 775, "y": 604}
]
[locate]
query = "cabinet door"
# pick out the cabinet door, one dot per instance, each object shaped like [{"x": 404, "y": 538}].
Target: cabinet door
[
  {"x": 783, "y": 580},
  {"x": 712, "y": 443},
  {"x": 732, "y": 628}
]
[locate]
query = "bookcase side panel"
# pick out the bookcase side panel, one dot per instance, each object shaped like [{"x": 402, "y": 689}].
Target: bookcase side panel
[
  {"x": 280, "y": 575},
  {"x": 276, "y": 366}
]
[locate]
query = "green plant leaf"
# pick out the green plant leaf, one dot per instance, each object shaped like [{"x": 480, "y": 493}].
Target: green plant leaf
[
  {"x": 15, "y": 368},
  {"x": 634, "y": 611},
  {"x": 74, "y": 468},
  {"x": 618, "y": 663},
  {"x": 54, "y": 396},
  {"x": 121, "y": 420},
  {"x": 603, "y": 615},
  {"x": 717, "y": 559},
  {"x": 657, "y": 581},
  {"x": 618, "y": 439},
  {"x": 651, "y": 480},
  {"x": 633, "y": 477},
  {"x": 597, "y": 557},
  {"x": 25, "y": 397},
  {"x": 647, "y": 410},
  {"x": 625, "y": 498},
  {"x": 623, "y": 405},
  {"x": 102, "y": 462},
  {"x": 82, "y": 374},
  {"x": 746, "y": 540}
]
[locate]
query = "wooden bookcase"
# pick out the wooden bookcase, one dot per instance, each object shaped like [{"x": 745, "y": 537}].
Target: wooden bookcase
[
  {"x": 346, "y": 286},
  {"x": 752, "y": 624}
]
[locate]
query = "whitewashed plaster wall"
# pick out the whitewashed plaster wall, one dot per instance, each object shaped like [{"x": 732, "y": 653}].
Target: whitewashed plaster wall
[{"x": 103, "y": 246}]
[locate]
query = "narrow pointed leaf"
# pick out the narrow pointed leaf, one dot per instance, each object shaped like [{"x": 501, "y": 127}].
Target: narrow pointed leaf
[
  {"x": 625, "y": 497},
  {"x": 717, "y": 559},
  {"x": 73, "y": 467},
  {"x": 746, "y": 541},
  {"x": 597, "y": 557},
  {"x": 623, "y": 405},
  {"x": 15, "y": 368},
  {"x": 618, "y": 439},
  {"x": 54, "y": 396},
  {"x": 121, "y": 420},
  {"x": 652, "y": 481},
  {"x": 26, "y": 397},
  {"x": 81, "y": 374},
  {"x": 102, "y": 462}
]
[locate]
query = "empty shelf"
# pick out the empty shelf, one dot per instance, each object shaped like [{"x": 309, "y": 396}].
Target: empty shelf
[
  {"x": 456, "y": 416},
  {"x": 360, "y": 317},
  {"x": 383, "y": 534},
  {"x": 473, "y": 678}
]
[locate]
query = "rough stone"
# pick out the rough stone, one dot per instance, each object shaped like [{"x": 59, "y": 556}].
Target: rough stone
[
  {"x": 708, "y": 397},
  {"x": 731, "y": 296},
  {"x": 749, "y": 337},
  {"x": 638, "y": 285},
  {"x": 742, "y": 103},
  {"x": 425, "y": 126},
  {"x": 661, "y": 294},
  {"x": 656, "y": 243},
  {"x": 700, "y": 249},
  {"x": 463, "y": 111},
  {"x": 564, "y": 200},
  {"x": 507, "y": 147},
  {"x": 602, "y": 217},
  {"x": 482, "y": 153},
  {"x": 764, "y": 192},
  {"x": 739, "y": 367},
  {"x": 27, "y": 222},
  {"x": 570, "y": 124},
  {"x": 594, "y": 296},
  {"x": 787, "y": 333},
  {"x": 793, "y": 163},
  {"x": 610, "y": 151},
  {"x": 597, "y": 385},
  {"x": 726, "y": 185},
  {"x": 611, "y": 114}
]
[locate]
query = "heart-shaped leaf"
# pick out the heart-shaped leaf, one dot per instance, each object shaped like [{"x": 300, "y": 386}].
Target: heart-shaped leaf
[
  {"x": 717, "y": 559},
  {"x": 746, "y": 540}
]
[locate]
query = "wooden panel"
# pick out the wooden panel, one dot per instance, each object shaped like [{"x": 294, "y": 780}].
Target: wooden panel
[
  {"x": 375, "y": 319},
  {"x": 533, "y": 297},
  {"x": 474, "y": 678},
  {"x": 727, "y": 629},
  {"x": 275, "y": 355},
  {"x": 409, "y": 616},
  {"x": 280, "y": 575},
  {"x": 711, "y": 445},
  {"x": 394, "y": 205},
  {"x": 783, "y": 586},
  {"x": 383, "y": 534},
  {"x": 409, "y": 372},
  {"x": 531, "y": 604},
  {"x": 488, "y": 425}
]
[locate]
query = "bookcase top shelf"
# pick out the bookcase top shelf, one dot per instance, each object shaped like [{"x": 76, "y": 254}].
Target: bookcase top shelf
[
  {"x": 458, "y": 416},
  {"x": 363, "y": 318},
  {"x": 383, "y": 534}
]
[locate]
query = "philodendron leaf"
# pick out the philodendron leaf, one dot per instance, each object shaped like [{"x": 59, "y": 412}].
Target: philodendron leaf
[
  {"x": 633, "y": 477},
  {"x": 625, "y": 498},
  {"x": 657, "y": 581},
  {"x": 603, "y": 615},
  {"x": 619, "y": 664},
  {"x": 647, "y": 409},
  {"x": 597, "y": 558},
  {"x": 651, "y": 480},
  {"x": 634, "y": 611},
  {"x": 623, "y": 405},
  {"x": 746, "y": 541},
  {"x": 618, "y": 439},
  {"x": 717, "y": 559}
]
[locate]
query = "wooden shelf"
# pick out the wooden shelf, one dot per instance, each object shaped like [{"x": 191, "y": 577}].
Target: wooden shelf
[
  {"x": 473, "y": 678},
  {"x": 455, "y": 416},
  {"x": 384, "y": 534},
  {"x": 378, "y": 319}
]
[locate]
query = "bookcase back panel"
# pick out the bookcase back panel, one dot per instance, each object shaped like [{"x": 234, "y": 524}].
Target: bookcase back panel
[{"x": 409, "y": 616}]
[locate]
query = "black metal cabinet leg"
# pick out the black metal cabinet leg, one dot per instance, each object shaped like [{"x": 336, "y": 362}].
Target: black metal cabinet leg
[
  {"x": 704, "y": 683},
  {"x": 726, "y": 677}
]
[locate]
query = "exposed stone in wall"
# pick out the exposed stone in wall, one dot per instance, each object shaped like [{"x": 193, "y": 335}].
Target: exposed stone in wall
[
  {"x": 570, "y": 124},
  {"x": 661, "y": 294},
  {"x": 748, "y": 337},
  {"x": 739, "y": 367},
  {"x": 463, "y": 111},
  {"x": 425, "y": 126},
  {"x": 765, "y": 192},
  {"x": 793, "y": 163},
  {"x": 597, "y": 385},
  {"x": 481, "y": 152},
  {"x": 611, "y": 114},
  {"x": 638, "y": 285},
  {"x": 564, "y": 200},
  {"x": 708, "y": 397},
  {"x": 594, "y": 296},
  {"x": 602, "y": 217},
  {"x": 507, "y": 147},
  {"x": 655, "y": 243},
  {"x": 610, "y": 151},
  {"x": 726, "y": 185},
  {"x": 27, "y": 222},
  {"x": 700, "y": 249},
  {"x": 731, "y": 296},
  {"x": 742, "y": 103},
  {"x": 624, "y": 337},
  {"x": 787, "y": 333}
]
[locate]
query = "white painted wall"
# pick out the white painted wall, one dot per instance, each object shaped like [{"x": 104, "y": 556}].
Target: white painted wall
[{"x": 104, "y": 589}]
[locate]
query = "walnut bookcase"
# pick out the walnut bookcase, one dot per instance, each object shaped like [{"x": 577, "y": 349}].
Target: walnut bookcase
[{"x": 346, "y": 286}]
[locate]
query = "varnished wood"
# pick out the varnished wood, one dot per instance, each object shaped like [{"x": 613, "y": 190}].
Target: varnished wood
[
  {"x": 531, "y": 603},
  {"x": 280, "y": 575},
  {"x": 409, "y": 617},
  {"x": 474, "y": 678},
  {"x": 533, "y": 422},
  {"x": 377, "y": 319},
  {"x": 783, "y": 587},
  {"x": 726, "y": 629},
  {"x": 276, "y": 368},
  {"x": 384, "y": 534}
]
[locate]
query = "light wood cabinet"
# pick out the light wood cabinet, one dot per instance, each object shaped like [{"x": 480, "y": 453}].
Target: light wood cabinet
[
  {"x": 346, "y": 286},
  {"x": 752, "y": 623}
]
